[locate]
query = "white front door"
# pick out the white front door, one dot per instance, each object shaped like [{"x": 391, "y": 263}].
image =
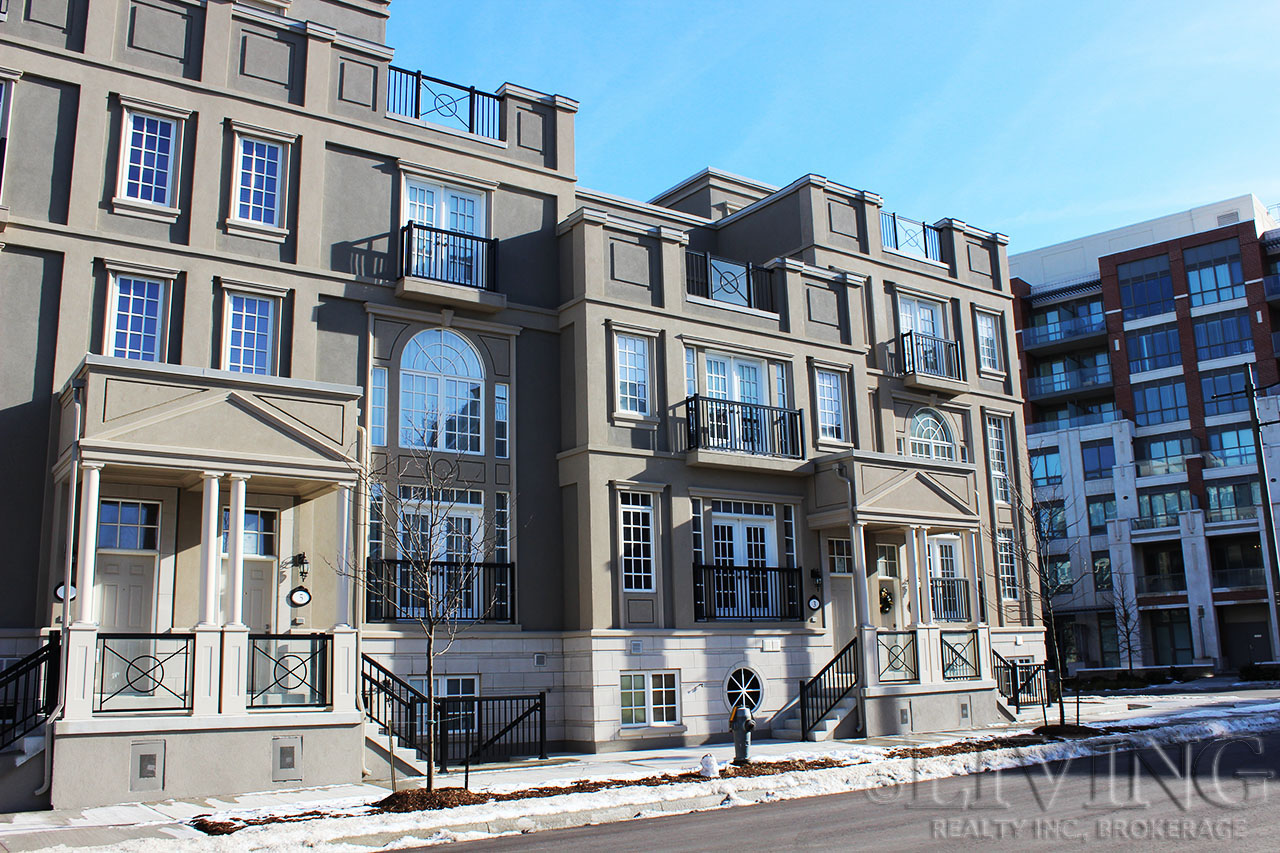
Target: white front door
[
  {"x": 125, "y": 592},
  {"x": 259, "y": 595}
]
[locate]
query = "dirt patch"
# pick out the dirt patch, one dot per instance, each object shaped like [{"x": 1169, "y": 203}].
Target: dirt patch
[
  {"x": 1068, "y": 731},
  {"x": 967, "y": 746},
  {"x": 225, "y": 827}
]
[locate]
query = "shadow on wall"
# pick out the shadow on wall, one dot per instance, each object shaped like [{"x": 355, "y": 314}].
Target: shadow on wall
[{"x": 369, "y": 258}]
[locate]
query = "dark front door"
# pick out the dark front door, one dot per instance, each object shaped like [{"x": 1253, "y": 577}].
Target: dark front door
[{"x": 1245, "y": 643}]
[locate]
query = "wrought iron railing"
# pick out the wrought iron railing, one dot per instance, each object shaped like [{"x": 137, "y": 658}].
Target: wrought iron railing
[
  {"x": 751, "y": 428},
  {"x": 910, "y": 236},
  {"x": 1096, "y": 376},
  {"x": 400, "y": 590},
  {"x": 1020, "y": 684},
  {"x": 1160, "y": 583},
  {"x": 950, "y": 599},
  {"x": 746, "y": 594},
  {"x": 448, "y": 256},
  {"x": 896, "y": 656},
  {"x": 289, "y": 670},
  {"x": 479, "y": 729},
  {"x": 144, "y": 672},
  {"x": 394, "y": 704},
  {"x": 1063, "y": 330},
  {"x": 1230, "y": 513},
  {"x": 415, "y": 95},
  {"x": 746, "y": 285},
  {"x": 825, "y": 690},
  {"x": 1252, "y": 576},
  {"x": 959, "y": 655},
  {"x": 930, "y": 355},
  {"x": 29, "y": 691}
]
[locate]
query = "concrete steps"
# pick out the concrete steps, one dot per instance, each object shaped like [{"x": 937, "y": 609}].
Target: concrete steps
[
  {"x": 378, "y": 759},
  {"x": 789, "y": 728}
]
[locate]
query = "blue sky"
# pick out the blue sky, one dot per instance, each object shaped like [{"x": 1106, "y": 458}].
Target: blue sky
[{"x": 1042, "y": 121}]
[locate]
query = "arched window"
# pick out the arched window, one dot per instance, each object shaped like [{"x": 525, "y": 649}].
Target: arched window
[
  {"x": 930, "y": 438},
  {"x": 441, "y": 388}
]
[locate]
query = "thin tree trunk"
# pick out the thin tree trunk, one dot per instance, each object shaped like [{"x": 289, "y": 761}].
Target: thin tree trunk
[{"x": 431, "y": 708}]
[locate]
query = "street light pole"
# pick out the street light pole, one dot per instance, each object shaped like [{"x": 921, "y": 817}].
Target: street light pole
[{"x": 1251, "y": 392}]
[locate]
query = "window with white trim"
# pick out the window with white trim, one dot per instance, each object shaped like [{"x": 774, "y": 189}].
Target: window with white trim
[
  {"x": 149, "y": 152},
  {"x": 635, "y": 519},
  {"x": 649, "y": 698},
  {"x": 930, "y": 436},
  {"x": 887, "y": 560},
  {"x": 696, "y": 527},
  {"x": 457, "y": 716},
  {"x": 988, "y": 341},
  {"x": 780, "y": 385},
  {"x": 260, "y": 532},
  {"x": 998, "y": 448},
  {"x": 375, "y": 521},
  {"x": 378, "y": 407},
  {"x": 260, "y": 181},
  {"x": 840, "y": 556},
  {"x": 139, "y": 309},
  {"x": 441, "y": 384},
  {"x": 250, "y": 322},
  {"x": 502, "y": 527},
  {"x": 128, "y": 525},
  {"x": 632, "y": 352},
  {"x": 6, "y": 102},
  {"x": 830, "y": 392},
  {"x": 690, "y": 372},
  {"x": 501, "y": 422},
  {"x": 1006, "y": 566}
]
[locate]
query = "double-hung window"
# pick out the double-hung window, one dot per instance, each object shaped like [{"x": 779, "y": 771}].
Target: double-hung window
[
  {"x": 998, "y": 448},
  {"x": 649, "y": 698},
  {"x": 260, "y": 183},
  {"x": 251, "y": 333},
  {"x": 1006, "y": 565},
  {"x": 150, "y": 156},
  {"x": 635, "y": 521},
  {"x": 633, "y": 374},
  {"x": 138, "y": 318},
  {"x": 988, "y": 341},
  {"x": 831, "y": 400}
]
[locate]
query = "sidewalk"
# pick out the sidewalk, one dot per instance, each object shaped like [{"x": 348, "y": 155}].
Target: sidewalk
[{"x": 161, "y": 826}]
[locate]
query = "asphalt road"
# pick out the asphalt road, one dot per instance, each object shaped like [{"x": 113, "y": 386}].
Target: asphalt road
[{"x": 1146, "y": 799}]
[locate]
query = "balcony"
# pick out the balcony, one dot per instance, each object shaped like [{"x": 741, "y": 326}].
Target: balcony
[
  {"x": 1160, "y": 584},
  {"x": 950, "y": 597},
  {"x": 1070, "y": 331},
  {"x": 719, "y": 430},
  {"x": 722, "y": 280},
  {"x": 411, "y": 590},
  {"x": 1271, "y": 286},
  {"x": 1243, "y": 578},
  {"x": 144, "y": 672},
  {"x": 1230, "y": 513},
  {"x": 1154, "y": 522},
  {"x": 746, "y": 594},
  {"x": 1231, "y": 457},
  {"x": 414, "y": 95},
  {"x": 1074, "y": 422},
  {"x": 931, "y": 363},
  {"x": 1161, "y": 467},
  {"x": 910, "y": 237},
  {"x": 449, "y": 267},
  {"x": 1084, "y": 379}
]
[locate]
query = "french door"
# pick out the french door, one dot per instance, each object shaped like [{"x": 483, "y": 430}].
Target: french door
[
  {"x": 925, "y": 319},
  {"x": 448, "y": 586},
  {"x": 733, "y": 381},
  {"x": 443, "y": 249},
  {"x": 745, "y": 545}
]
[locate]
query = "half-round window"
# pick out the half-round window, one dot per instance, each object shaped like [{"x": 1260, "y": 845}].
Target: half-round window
[
  {"x": 930, "y": 437},
  {"x": 441, "y": 393}
]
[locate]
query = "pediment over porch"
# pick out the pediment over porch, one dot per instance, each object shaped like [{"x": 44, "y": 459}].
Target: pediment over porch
[{"x": 910, "y": 489}]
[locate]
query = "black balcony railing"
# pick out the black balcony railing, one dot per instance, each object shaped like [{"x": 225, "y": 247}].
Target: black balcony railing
[
  {"x": 746, "y": 594},
  {"x": 1085, "y": 378},
  {"x": 144, "y": 672},
  {"x": 1254, "y": 576},
  {"x": 399, "y": 590},
  {"x": 745, "y": 285},
  {"x": 959, "y": 655},
  {"x": 751, "y": 428},
  {"x": 439, "y": 255},
  {"x": 824, "y": 691},
  {"x": 896, "y": 656},
  {"x": 29, "y": 691},
  {"x": 1160, "y": 583},
  {"x": 950, "y": 599},
  {"x": 910, "y": 236},
  {"x": 1157, "y": 521},
  {"x": 415, "y": 95},
  {"x": 289, "y": 670},
  {"x": 1064, "y": 330},
  {"x": 930, "y": 355}
]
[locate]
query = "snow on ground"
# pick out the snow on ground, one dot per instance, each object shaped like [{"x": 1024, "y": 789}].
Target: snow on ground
[{"x": 869, "y": 769}]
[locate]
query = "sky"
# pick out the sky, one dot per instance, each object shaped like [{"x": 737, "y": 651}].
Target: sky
[{"x": 1043, "y": 121}]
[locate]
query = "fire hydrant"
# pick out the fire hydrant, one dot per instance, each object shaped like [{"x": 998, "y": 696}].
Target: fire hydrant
[{"x": 741, "y": 724}]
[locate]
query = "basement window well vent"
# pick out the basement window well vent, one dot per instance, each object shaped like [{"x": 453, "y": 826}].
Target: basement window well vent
[
  {"x": 637, "y": 647},
  {"x": 539, "y": 659},
  {"x": 286, "y": 759},
  {"x": 146, "y": 765}
]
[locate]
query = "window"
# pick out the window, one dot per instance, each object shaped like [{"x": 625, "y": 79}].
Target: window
[
  {"x": 930, "y": 437},
  {"x": 1213, "y": 272},
  {"x": 259, "y": 532},
  {"x": 138, "y": 309},
  {"x": 1223, "y": 335},
  {"x": 128, "y": 525},
  {"x": 997, "y": 432},
  {"x": 1154, "y": 348},
  {"x": 789, "y": 535},
  {"x": 251, "y": 333},
  {"x": 695, "y": 505},
  {"x": 1164, "y": 504},
  {"x": 260, "y": 172},
  {"x": 840, "y": 556},
  {"x": 1046, "y": 467},
  {"x": 743, "y": 689},
  {"x": 457, "y": 716},
  {"x": 633, "y": 374},
  {"x": 1006, "y": 566},
  {"x": 1237, "y": 493},
  {"x": 378, "y": 407},
  {"x": 1099, "y": 459},
  {"x": 830, "y": 387},
  {"x": 1102, "y": 581},
  {"x": 1231, "y": 446},
  {"x": 502, "y": 527},
  {"x": 887, "y": 560},
  {"x": 1160, "y": 402},
  {"x": 6, "y": 101},
  {"x": 988, "y": 341},
  {"x": 1224, "y": 390},
  {"x": 501, "y": 420},
  {"x": 922, "y": 316},
  {"x": 690, "y": 372},
  {"x": 1145, "y": 287},
  {"x": 1058, "y": 574},
  {"x": 440, "y": 393},
  {"x": 149, "y": 152},
  {"x": 375, "y": 521},
  {"x": 649, "y": 698},
  {"x": 1164, "y": 454},
  {"x": 445, "y": 228},
  {"x": 780, "y": 385},
  {"x": 636, "y": 526},
  {"x": 1051, "y": 520},
  {"x": 1101, "y": 510}
]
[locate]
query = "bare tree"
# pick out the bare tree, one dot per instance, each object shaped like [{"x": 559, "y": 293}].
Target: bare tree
[{"x": 1128, "y": 619}]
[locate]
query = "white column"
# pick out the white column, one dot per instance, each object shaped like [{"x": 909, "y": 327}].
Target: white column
[
  {"x": 926, "y": 584},
  {"x": 861, "y": 592},
  {"x": 235, "y": 549},
  {"x": 978, "y": 576},
  {"x": 210, "y": 550},
  {"x": 90, "y": 480},
  {"x": 344, "y": 565},
  {"x": 913, "y": 575}
]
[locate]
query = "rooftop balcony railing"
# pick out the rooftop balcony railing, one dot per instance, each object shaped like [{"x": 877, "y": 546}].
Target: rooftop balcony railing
[
  {"x": 1160, "y": 584},
  {"x": 1230, "y": 513},
  {"x": 1085, "y": 378},
  {"x": 910, "y": 237},
  {"x": 415, "y": 95},
  {"x": 750, "y": 428},
  {"x": 1074, "y": 422},
  {"x": 930, "y": 356},
  {"x": 1240, "y": 578},
  {"x": 448, "y": 256},
  {"x": 744, "y": 285},
  {"x": 1064, "y": 330}
]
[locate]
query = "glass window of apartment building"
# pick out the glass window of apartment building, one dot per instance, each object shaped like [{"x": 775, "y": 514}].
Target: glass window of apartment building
[
  {"x": 649, "y": 698},
  {"x": 1102, "y": 581},
  {"x": 1171, "y": 636},
  {"x": 1224, "y": 390},
  {"x": 137, "y": 322},
  {"x": 1101, "y": 510},
  {"x": 1235, "y": 553},
  {"x": 1046, "y": 467},
  {"x": 633, "y": 374},
  {"x": 997, "y": 441},
  {"x": 1051, "y": 520},
  {"x": 1058, "y": 573},
  {"x": 1223, "y": 335},
  {"x": 988, "y": 326},
  {"x": 1099, "y": 458},
  {"x": 830, "y": 388},
  {"x": 1164, "y": 504},
  {"x": 1160, "y": 402},
  {"x": 1213, "y": 272},
  {"x": 148, "y": 158},
  {"x": 1232, "y": 495},
  {"x": 250, "y": 345},
  {"x": 1229, "y": 446},
  {"x": 1165, "y": 454},
  {"x": 1145, "y": 287},
  {"x": 840, "y": 556},
  {"x": 1153, "y": 348},
  {"x": 636, "y": 526}
]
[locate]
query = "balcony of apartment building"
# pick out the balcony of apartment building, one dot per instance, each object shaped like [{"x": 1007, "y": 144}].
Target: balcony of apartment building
[
  {"x": 451, "y": 267},
  {"x": 741, "y": 434},
  {"x": 730, "y": 284},
  {"x": 1271, "y": 287},
  {"x": 461, "y": 591},
  {"x": 931, "y": 362},
  {"x": 1063, "y": 333},
  {"x": 1072, "y": 417},
  {"x": 910, "y": 237},
  {"x": 1066, "y": 381},
  {"x": 1237, "y": 566}
]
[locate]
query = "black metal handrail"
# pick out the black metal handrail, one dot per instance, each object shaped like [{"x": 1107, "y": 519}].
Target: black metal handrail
[
  {"x": 930, "y": 355},
  {"x": 393, "y": 703},
  {"x": 29, "y": 691},
  {"x": 723, "y": 280},
  {"x": 418, "y": 96},
  {"x": 950, "y": 599},
  {"x": 1020, "y": 683},
  {"x": 448, "y": 256},
  {"x": 289, "y": 670},
  {"x": 825, "y": 690},
  {"x": 746, "y": 594},
  {"x": 144, "y": 672},
  {"x": 734, "y": 427},
  {"x": 959, "y": 655},
  {"x": 398, "y": 590},
  {"x": 478, "y": 729},
  {"x": 896, "y": 656}
]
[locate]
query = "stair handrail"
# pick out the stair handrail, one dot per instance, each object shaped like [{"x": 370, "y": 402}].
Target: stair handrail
[
  {"x": 404, "y": 695},
  {"x": 817, "y": 697},
  {"x": 31, "y": 692},
  {"x": 1011, "y": 684}
]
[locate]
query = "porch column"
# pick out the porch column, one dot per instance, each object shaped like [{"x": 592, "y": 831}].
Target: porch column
[
  {"x": 926, "y": 584},
  {"x": 209, "y": 550},
  {"x": 90, "y": 482},
  {"x": 975, "y": 601},
  {"x": 861, "y": 593},
  {"x": 235, "y": 548},
  {"x": 344, "y": 565},
  {"x": 913, "y": 570}
]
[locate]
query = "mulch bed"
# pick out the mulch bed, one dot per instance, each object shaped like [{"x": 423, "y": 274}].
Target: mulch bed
[{"x": 1038, "y": 736}]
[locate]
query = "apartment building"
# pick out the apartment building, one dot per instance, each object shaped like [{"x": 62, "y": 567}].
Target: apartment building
[
  {"x": 276, "y": 306},
  {"x": 1139, "y": 346}
]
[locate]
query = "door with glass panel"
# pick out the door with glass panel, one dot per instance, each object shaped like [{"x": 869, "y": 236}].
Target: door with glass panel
[
  {"x": 420, "y": 209},
  {"x": 949, "y": 589},
  {"x": 747, "y": 545},
  {"x": 465, "y": 260},
  {"x": 448, "y": 584},
  {"x": 925, "y": 320},
  {"x": 735, "y": 392},
  {"x": 132, "y": 669},
  {"x": 444, "y": 248}
]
